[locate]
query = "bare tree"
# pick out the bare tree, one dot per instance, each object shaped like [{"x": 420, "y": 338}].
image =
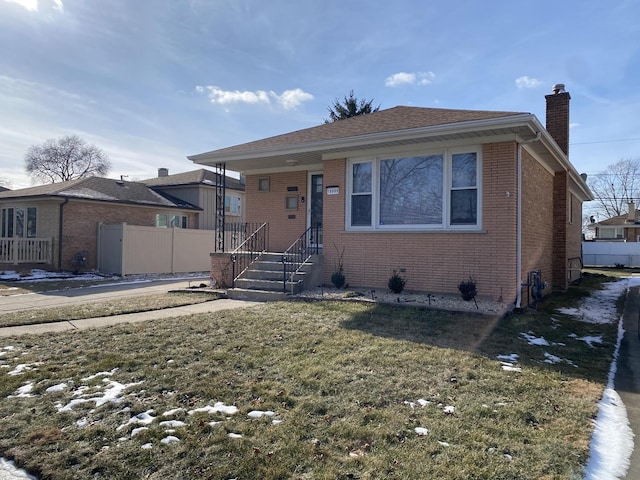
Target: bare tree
[
  {"x": 65, "y": 158},
  {"x": 615, "y": 187},
  {"x": 349, "y": 107}
]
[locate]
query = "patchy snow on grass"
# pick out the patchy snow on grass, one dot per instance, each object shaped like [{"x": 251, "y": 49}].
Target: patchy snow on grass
[
  {"x": 23, "y": 367},
  {"x": 56, "y": 388},
  {"x": 260, "y": 414},
  {"x": 24, "y": 391},
  {"x": 219, "y": 407},
  {"x": 600, "y": 307},
  {"x": 612, "y": 440},
  {"x": 533, "y": 340},
  {"x": 588, "y": 339}
]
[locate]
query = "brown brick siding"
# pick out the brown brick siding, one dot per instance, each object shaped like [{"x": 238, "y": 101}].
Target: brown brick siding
[
  {"x": 434, "y": 261},
  {"x": 437, "y": 261},
  {"x": 81, "y": 220},
  {"x": 285, "y": 226},
  {"x": 537, "y": 219}
]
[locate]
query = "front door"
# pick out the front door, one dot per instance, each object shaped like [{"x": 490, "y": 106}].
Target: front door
[{"x": 314, "y": 217}]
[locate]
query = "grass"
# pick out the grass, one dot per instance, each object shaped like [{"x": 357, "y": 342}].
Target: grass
[
  {"x": 103, "y": 309},
  {"x": 342, "y": 378}
]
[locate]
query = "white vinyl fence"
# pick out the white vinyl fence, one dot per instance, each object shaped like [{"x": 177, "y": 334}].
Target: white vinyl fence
[
  {"x": 610, "y": 254},
  {"x": 132, "y": 249}
]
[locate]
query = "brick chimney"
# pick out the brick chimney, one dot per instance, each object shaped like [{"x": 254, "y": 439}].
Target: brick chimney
[
  {"x": 558, "y": 116},
  {"x": 163, "y": 172}
]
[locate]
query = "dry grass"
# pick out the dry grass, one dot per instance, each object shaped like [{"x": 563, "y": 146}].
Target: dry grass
[
  {"x": 104, "y": 309},
  {"x": 345, "y": 379}
]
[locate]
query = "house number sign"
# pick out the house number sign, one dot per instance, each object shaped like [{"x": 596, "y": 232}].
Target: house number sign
[{"x": 333, "y": 190}]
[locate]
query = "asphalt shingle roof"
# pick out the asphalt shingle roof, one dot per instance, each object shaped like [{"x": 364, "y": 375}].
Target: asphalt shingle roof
[
  {"x": 194, "y": 177},
  {"x": 102, "y": 190},
  {"x": 389, "y": 120}
]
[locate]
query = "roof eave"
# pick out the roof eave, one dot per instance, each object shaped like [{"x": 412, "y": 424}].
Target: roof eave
[{"x": 354, "y": 142}]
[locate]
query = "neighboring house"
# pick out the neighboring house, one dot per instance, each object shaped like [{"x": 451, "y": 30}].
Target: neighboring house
[
  {"x": 621, "y": 228},
  {"x": 438, "y": 195},
  {"x": 199, "y": 187},
  {"x": 55, "y": 226}
]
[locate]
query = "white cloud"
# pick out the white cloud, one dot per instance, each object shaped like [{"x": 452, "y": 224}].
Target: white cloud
[
  {"x": 526, "y": 82},
  {"x": 404, "y": 78},
  {"x": 32, "y": 5},
  {"x": 289, "y": 99}
]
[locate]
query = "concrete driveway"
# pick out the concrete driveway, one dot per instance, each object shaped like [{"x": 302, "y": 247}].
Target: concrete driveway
[
  {"x": 98, "y": 293},
  {"x": 103, "y": 293}
]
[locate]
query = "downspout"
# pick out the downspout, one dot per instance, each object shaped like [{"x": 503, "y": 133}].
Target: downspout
[
  {"x": 519, "y": 221},
  {"x": 60, "y": 217}
]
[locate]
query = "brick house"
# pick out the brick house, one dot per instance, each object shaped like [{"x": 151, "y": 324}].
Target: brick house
[
  {"x": 198, "y": 187},
  {"x": 55, "y": 226},
  {"x": 621, "y": 228},
  {"x": 439, "y": 195}
]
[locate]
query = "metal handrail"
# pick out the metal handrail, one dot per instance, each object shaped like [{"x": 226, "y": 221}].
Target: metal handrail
[
  {"x": 298, "y": 253},
  {"x": 249, "y": 251}
]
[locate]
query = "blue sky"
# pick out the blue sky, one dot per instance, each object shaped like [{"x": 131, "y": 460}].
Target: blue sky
[{"x": 151, "y": 82}]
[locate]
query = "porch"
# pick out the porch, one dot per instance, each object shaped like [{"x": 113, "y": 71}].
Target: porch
[
  {"x": 252, "y": 271},
  {"x": 15, "y": 251}
]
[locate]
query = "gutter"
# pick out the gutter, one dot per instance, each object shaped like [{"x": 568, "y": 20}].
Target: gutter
[{"x": 519, "y": 220}]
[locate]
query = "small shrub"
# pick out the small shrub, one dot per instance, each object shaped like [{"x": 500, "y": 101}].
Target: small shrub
[
  {"x": 396, "y": 283},
  {"x": 619, "y": 266},
  {"x": 468, "y": 290},
  {"x": 337, "y": 278}
]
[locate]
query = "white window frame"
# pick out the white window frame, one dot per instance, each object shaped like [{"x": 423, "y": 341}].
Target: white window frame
[
  {"x": 232, "y": 205},
  {"x": 184, "y": 220},
  {"x": 5, "y": 228},
  {"x": 446, "y": 225}
]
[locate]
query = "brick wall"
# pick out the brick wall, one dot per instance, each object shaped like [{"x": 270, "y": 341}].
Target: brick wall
[
  {"x": 81, "y": 220},
  {"x": 285, "y": 225},
  {"x": 560, "y": 230},
  {"x": 434, "y": 261},
  {"x": 537, "y": 219},
  {"x": 557, "y": 119}
]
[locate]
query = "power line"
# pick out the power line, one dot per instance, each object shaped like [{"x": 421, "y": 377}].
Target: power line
[{"x": 607, "y": 141}]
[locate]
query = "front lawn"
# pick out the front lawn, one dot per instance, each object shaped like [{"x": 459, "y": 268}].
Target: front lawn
[{"x": 331, "y": 390}]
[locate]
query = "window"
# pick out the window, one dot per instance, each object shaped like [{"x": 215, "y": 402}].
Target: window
[
  {"x": 263, "y": 184},
  {"x": 421, "y": 192},
  {"x": 612, "y": 232},
  {"x": 361, "y": 192},
  {"x": 291, "y": 202},
  {"x": 232, "y": 205},
  {"x": 19, "y": 222},
  {"x": 164, "y": 220}
]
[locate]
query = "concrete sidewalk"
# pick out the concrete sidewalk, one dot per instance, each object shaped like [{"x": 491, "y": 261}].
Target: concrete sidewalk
[
  {"x": 627, "y": 380},
  {"x": 86, "y": 323}
]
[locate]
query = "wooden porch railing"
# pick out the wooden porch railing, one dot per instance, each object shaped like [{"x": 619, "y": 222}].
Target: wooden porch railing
[{"x": 26, "y": 250}]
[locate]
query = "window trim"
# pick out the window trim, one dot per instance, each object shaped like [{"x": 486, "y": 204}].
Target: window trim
[
  {"x": 184, "y": 220},
  {"x": 446, "y": 225},
  {"x": 10, "y": 231},
  {"x": 264, "y": 184}
]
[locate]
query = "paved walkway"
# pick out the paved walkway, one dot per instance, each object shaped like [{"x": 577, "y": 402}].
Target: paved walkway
[{"x": 627, "y": 381}]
